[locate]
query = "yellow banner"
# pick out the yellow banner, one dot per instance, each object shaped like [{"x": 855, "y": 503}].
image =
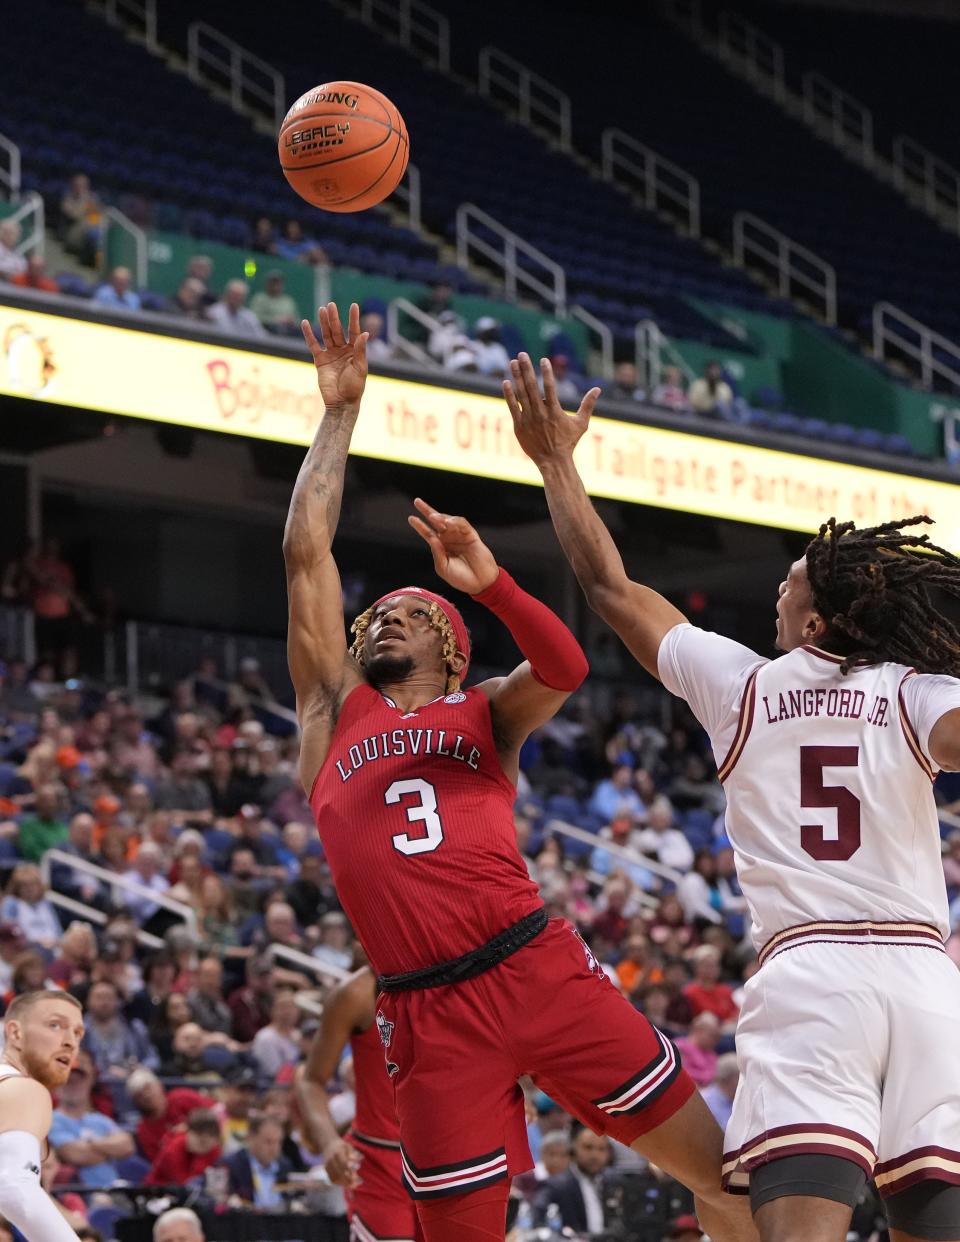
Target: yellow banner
[{"x": 144, "y": 375}]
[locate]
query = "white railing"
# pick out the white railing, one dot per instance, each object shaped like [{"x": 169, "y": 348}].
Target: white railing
[
  {"x": 408, "y": 192},
  {"x": 91, "y": 915},
  {"x": 413, "y": 24},
  {"x": 752, "y": 53},
  {"x": 305, "y": 961},
  {"x": 551, "y": 286},
  {"x": 140, "y": 13},
  {"x": 650, "y": 347},
  {"x": 894, "y": 328},
  {"x": 411, "y": 349},
  {"x": 919, "y": 173},
  {"x": 537, "y": 103},
  {"x": 116, "y": 219},
  {"x": 10, "y": 176},
  {"x": 837, "y": 116},
  {"x": 30, "y": 213},
  {"x": 125, "y": 882},
  {"x": 214, "y": 60},
  {"x": 630, "y": 163},
  {"x": 757, "y": 244},
  {"x": 633, "y": 857},
  {"x": 603, "y": 335}
]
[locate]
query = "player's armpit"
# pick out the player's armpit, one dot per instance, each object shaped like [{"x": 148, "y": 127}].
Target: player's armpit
[
  {"x": 944, "y": 743},
  {"x": 26, "y": 1106},
  {"x": 638, "y": 615},
  {"x": 520, "y": 703}
]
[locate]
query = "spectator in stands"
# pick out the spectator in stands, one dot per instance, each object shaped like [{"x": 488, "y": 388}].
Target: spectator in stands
[
  {"x": 82, "y": 219},
  {"x": 294, "y": 244},
  {"x": 670, "y": 393},
  {"x": 200, "y": 268},
  {"x": 951, "y": 862},
  {"x": 334, "y": 948},
  {"x": 622, "y": 831},
  {"x": 84, "y": 1137},
  {"x": 147, "y": 871},
  {"x": 278, "y": 1043},
  {"x": 45, "y": 829},
  {"x": 147, "y": 1003},
  {"x": 662, "y": 840},
  {"x": 706, "y": 993},
  {"x": 264, "y": 239},
  {"x": 53, "y": 597},
  {"x": 668, "y": 929},
  {"x": 116, "y": 292},
  {"x": 699, "y": 891},
  {"x": 491, "y": 354},
  {"x": 568, "y": 391},
  {"x": 17, "y": 700},
  {"x": 178, "y": 1225},
  {"x": 78, "y": 952},
  {"x": 556, "y": 1154},
  {"x": 189, "y": 300},
  {"x": 698, "y": 1050},
  {"x": 34, "y": 276},
  {"x": 12, "y": 262},
  {"x": 26, "y": 906},
  {"x": 255, "y": 1172},
  {"x": 377, "y": 348},
  {"x": 462, "y": 356},
  {"x": 173, "y": 1013},
  {"x": 695, "y": 787},
  {"x": 162, "y": 1112},
  {"x": 232, "y": 316},
  {"x": 12, "y": 946},
  {"x": 445, "y": 338},
  {"x": 616, "y": 795},
  {"x": 207, "y": 1005},
  {"x": 275, "y": 308},
  {"x": 718, "y": 1095},
  {"x": 305, "y": 893},
  {"x": 184, "y": 793},
  {"x": 186, "y": 1155},
  {"x": 250, "y": 1005},
  {"x": 578, "y": 1193},
  {"x": 637, "y": 970},
  {"x": 625, "y": 385},
  {"x": 710, "y": 395},
  {"x": 683, "y": 1229},
  {"x": 438, "y": 300},
  {"x": 115, "y": 1044},
  {"x": 199, "y": 1054}
]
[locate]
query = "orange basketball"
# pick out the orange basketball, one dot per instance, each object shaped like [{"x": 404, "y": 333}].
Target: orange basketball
[{"x": 343, "y": 146}]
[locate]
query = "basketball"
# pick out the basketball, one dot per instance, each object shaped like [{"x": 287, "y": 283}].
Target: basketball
[{"x": 343, "y": 146}]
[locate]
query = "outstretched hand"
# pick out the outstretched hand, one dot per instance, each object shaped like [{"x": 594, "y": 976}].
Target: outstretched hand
[
  {"x": 460, "y": 556},
  {"x": 542, "y": 427},
  {"x": 341, "y": 360}
]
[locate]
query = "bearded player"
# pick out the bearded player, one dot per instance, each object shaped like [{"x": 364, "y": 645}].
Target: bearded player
[
  {"x": 848, "y": 1033},
  {"x": 412, "y": 783},
  {"x": 42, "y": 1033},
  {"x": 367, "y": 1162}
]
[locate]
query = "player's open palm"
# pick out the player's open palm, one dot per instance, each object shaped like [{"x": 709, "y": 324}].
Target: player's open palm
[
  {"x": 460, "y": 556},
  {"x": 341, "y": 360},
  {"x": 543, "y": 428}
]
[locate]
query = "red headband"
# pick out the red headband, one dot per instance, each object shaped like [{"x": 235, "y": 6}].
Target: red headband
[{"x": 450, "y": 611}]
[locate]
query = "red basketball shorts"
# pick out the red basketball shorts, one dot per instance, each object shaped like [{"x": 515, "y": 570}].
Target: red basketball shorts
[
  {"x": 380, "y": 1210},
  {"x": 455, "y": 1054}
]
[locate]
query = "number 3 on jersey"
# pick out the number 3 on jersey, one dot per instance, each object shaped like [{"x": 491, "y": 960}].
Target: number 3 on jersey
[{"x": 425, "y": 812}]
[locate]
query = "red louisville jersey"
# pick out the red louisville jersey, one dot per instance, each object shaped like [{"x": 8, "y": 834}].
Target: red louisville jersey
[
  {"x": 416, "y": 817},
  {"x": 376, "y": 1115}
]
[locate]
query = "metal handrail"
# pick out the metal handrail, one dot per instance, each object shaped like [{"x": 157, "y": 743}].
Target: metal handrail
[
  {"x": 894, "y": 327},
  {"x": 408, "y": 191},
  {"x": 658, "y": 178},
  {"x": 92, "y": 915},
  {"x": 537, "y": 103},
  {"x": 402, "y": 346},
  {"x": 144, "y": 12},
  {"x": 752, "y": 51},
  {"x": 116, "y": 217},
  {"x": 634, "y": 857},
  {"x": 210, "y": 49},
  {"x": 505, "y": 257},
  {"x": 794, "y": 264},
  {"x": 31, "y": 208},
  {"x": 604, "y": 336},
  {"x": 117, "y": 881},
  {"x": 915, "y": 168},
  {"x": 415, "y": 25},
  {"x": 10, "y": 176},
  {"x": 837, "y": 116},
  {"x": 307, "y": 962},
  {"x": 650, "y": 345}
]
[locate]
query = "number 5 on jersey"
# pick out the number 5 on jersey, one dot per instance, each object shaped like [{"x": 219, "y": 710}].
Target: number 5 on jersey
[{"x": 424, "y": 812}]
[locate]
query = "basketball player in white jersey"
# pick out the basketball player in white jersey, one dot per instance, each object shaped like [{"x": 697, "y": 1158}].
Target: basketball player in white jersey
[
  {"x": 849, "y": 1034},
  {"x": 42, "y": 1033}
]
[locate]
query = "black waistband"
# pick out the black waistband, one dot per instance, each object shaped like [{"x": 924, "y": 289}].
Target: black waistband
[{"x": 470, "y": 964}]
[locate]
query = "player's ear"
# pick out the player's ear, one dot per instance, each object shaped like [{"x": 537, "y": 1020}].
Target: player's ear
[
  {"x": 814, "y": 627},
  {"x": 456, "y": 662}
]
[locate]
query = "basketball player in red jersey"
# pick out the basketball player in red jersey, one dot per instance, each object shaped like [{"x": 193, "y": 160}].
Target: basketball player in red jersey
[
  {"x": 367, "y": 1162},
  {"x": 412, "y": 783}
]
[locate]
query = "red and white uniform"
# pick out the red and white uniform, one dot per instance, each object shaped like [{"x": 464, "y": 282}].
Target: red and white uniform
[
  {"x": 380, "y": 1209},
  {"x": 416, "y": 817},
  {"x": 845, "y": 1033}
]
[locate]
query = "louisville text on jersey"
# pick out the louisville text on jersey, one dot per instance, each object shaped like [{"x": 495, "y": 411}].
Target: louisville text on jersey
[{"x": 401, "y": 742}]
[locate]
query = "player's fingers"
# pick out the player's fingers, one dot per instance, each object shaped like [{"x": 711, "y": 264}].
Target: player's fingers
[
  {"x": 422, "y": 529},
  {"x": 549, "y": 383},
  {"x": 513, "y": 405},
  {"x": 326, "y": 329},
  {"x": 530, "y": 385},
  {"x": 306, "y": 327},
  {"x": 439, "y": 521},
  {"x": 590, "y": 399},
  {"x": 353, "y": 322},
  {"x": 336, "y": 328}
]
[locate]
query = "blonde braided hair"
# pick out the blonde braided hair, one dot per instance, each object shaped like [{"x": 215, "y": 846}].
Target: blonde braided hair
[{"x": 438, "y": 621}]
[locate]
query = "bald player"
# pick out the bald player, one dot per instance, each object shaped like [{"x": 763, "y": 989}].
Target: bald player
[{"x": 43, "y": 1031}]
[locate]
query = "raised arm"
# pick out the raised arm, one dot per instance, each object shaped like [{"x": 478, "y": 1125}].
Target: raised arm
[
  {"x": 321, "y": 668},
  {"x": 23, "y": 1201},
  {"x": 639, "y": 615}
]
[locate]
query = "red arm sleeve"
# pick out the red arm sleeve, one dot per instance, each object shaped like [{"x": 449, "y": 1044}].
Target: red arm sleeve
[{"x": 556, "y": 658}]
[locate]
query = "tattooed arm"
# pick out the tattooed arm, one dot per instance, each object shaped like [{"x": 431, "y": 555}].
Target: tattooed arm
[{"x": 322, "y": 670}]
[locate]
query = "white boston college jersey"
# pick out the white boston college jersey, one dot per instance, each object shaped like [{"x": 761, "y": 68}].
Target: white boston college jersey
[{"x": 830, "y": 809}]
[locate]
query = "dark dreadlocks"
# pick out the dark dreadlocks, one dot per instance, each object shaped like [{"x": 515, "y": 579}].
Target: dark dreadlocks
[{"x": 871, "y": 588}]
